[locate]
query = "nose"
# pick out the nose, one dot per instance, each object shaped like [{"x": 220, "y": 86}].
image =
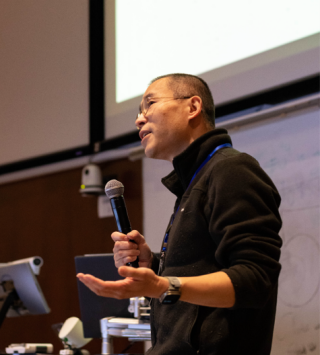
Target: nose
[{"x": 140, "y": 121}]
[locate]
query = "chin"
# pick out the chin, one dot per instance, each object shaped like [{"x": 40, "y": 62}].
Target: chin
[
  {"x": 148, "y": 152},
  {"x": 153, "y": 153}
]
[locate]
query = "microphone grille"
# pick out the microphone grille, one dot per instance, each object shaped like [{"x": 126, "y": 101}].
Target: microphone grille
[{"x": 114, "y": 188}]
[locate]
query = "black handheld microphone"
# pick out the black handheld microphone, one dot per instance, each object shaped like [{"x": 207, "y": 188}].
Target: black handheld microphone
[{"x": 114, "y": 190}]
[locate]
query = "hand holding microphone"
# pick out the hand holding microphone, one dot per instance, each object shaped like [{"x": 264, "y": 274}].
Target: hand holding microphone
[{"x": 114, "y": 190}]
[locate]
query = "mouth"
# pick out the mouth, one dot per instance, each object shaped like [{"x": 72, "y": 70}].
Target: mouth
[{"x": 143, "y": 134}]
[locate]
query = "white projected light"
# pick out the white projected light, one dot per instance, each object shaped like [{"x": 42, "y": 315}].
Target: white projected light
[{"x": 191, "y": 36}]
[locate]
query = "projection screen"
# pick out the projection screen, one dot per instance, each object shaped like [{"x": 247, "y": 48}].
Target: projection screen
[{"x": 239, "y": 48}]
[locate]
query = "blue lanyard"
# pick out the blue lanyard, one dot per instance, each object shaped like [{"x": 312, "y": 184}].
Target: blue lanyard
[{"x": 225, "y": 145}]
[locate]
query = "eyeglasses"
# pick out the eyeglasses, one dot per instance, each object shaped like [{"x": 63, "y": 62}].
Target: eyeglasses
[{"x": 152, "y": 102}]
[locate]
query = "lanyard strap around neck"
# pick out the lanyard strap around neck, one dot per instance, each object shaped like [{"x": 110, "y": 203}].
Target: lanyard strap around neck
[{"x": 225, "y": 145}]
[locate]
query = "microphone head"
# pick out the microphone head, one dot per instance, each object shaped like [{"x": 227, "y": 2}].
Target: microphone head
[{"x": 114, "y": 188}]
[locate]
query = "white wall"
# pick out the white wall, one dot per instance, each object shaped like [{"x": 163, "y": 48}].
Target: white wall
[
  {"x": 44, "y": 77},
  {"x": 288, "y": 149},
  {"x": 157, "y": 201}
]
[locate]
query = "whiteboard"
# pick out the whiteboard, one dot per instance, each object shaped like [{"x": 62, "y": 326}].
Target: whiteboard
[{"x": 288, "y": 149}]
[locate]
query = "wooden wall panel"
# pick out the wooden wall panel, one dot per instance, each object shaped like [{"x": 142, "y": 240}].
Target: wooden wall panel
[{"x": 47, "y": 216}]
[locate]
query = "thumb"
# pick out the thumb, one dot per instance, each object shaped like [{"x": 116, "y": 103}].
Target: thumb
[{"x": 128, "y": 271}]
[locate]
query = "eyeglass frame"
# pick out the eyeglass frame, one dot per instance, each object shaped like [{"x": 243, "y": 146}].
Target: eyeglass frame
[{"x": 145, "y": 111}]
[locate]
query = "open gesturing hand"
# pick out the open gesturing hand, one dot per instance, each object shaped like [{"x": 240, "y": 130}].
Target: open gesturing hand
[{"x": 138, "y": 282}]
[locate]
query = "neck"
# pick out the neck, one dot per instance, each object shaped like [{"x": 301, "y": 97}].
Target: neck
[
  {"x": 197, "y": 132},
  {"x": 192, "y": 135}
]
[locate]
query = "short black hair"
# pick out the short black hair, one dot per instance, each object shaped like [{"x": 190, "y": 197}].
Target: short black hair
[{"x": 184, "y": 85}]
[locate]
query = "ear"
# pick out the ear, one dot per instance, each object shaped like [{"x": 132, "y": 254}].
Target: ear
[{"x": 195, "y": 107}]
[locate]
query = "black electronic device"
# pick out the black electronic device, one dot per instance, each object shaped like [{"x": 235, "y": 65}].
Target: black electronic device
[
  {"x": 114, "y": 190},
  {"x": 93, "y": 307}
]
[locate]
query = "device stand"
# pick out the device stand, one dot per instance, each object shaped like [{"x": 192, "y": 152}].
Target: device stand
[
  {"x": 135, "y": 329},
  {"x": 9, "y": 299},
  {"x": 107, "y": 344},
  {"x": 131, "y": 328}
]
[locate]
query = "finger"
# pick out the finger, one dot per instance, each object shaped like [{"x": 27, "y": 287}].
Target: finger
[
  {"x": 117, "y": 236},
  {"x": 124, "y": 246},
  {"x": 136, "y": 236},
  {"x": 122, "y": 254},
  {"x": 124, "y": 261},
  {"x": 119, "y": 289},
  {"x": 100, "y": 287},
  {"x": 90, "y": 281}
]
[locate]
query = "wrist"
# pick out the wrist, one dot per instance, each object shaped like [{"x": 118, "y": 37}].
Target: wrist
[
  {"x": 173, "y": 292},
  {"x": 163, "y": 286}
]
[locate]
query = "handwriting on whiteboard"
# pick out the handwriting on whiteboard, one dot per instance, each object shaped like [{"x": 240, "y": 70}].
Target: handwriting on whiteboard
[{"x": 297, "y": 324}]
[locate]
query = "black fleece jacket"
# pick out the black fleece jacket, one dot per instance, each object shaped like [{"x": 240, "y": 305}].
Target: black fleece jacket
[{"x": 228, "y": 221}]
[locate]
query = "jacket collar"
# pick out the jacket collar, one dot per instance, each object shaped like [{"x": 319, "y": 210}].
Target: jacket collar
[{"x": 186, "y": 163}]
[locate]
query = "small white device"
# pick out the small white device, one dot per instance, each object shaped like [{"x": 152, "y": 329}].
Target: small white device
[
  {"x": 71, "y": 333},
  {"x": 24, "y": 348},
  {"x": 91, "y": 181}
]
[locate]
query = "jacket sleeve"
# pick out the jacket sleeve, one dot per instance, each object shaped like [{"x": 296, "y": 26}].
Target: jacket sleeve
[{"x": 244, "y": 223}]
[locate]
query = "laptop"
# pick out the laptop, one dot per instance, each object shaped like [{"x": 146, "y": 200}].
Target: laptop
[{"x": 93, "y": 307}]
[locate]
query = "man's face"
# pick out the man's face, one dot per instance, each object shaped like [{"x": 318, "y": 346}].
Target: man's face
[{"x": 163, "y": 129}]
